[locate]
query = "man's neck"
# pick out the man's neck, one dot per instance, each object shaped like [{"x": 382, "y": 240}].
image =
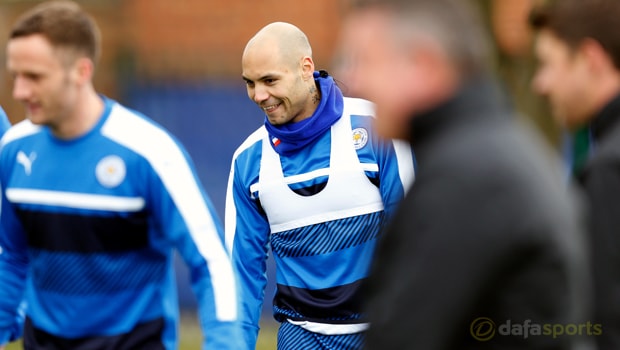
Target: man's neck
[{"x": 83, "y": 117}]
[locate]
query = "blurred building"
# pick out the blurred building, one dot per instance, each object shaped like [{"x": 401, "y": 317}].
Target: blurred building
[{"x": 147, "y": 41}]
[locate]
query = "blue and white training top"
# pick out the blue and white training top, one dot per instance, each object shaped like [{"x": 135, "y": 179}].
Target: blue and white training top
[
  {"x": 88, "y": 231},
  {"x": 321, "y": 211}
]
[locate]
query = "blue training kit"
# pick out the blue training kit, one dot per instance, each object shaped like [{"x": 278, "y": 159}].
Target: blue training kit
[
  {"x": 320, "y": 208},
  {"x": 89, "y": 227}
]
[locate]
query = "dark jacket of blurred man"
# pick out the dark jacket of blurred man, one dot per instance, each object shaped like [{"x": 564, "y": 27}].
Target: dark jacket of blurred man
[
  {"x": 486, "y": 251},
  {"x": 578, "y": 49}
]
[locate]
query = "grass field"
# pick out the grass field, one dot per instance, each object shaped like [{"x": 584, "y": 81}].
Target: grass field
[{"x": 191, "y": 336}]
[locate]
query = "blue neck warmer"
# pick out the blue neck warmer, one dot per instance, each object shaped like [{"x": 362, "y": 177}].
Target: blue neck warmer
[{"x": 288, "y": 138}]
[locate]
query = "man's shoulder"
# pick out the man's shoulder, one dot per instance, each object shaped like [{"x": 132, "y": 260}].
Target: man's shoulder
[
  {"x": 359, "y": 107},
  {"x": 504, "y": 155},
  {"x": 124, "y": 118},
  {"x": 19, "y": 131},
  {"x": 252, "y": 141},
  {"x": 608, "y": 149},
  {"x": 128, "y": 126}
]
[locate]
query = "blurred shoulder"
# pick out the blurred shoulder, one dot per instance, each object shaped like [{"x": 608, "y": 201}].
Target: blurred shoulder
[
  {"x": 359, "y": 107},
  {"x": 20, "y": 130}
]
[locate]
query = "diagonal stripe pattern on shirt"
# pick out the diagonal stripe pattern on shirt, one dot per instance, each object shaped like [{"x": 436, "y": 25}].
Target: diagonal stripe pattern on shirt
[
  {"x": 85, "y": 274},
  {"x": 328, "y": 236}
]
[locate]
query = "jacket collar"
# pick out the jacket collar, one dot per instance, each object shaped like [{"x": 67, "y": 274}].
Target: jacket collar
[{"x": 479, "y": 99}]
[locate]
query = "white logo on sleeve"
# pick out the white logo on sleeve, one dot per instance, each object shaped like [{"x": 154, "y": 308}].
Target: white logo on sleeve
[
  {"x": 26, "y": 161},
  {"x": 110, "y": 171}
]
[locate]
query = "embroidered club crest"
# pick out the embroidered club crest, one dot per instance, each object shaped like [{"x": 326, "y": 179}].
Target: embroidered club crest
[
  {"x": 110, "y": 171},
  {"x": 360, "y": 137}
]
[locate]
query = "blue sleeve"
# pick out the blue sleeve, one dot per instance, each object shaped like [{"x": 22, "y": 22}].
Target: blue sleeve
[
  {"x": 5, "y": 124},
  {"x": 247, "y": 236},
  {"x": 13, "y": 268},
  {"x": 396, "y": 163},
  {"x": 187, "y": 219},
  {"x": 397, "y": 172}
]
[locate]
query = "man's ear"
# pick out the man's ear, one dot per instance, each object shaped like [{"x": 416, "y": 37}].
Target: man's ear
[
  {"x": 307, "y": 67},
  {"x": 597, "y": 58},
  {"x": 84, "y": 70}
]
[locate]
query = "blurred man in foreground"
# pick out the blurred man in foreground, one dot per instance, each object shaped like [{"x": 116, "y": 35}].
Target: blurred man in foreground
[{"x": 488, "y": 233}]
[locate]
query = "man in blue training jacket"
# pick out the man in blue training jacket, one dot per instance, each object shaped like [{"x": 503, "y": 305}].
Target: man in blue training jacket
[
  {"x": 316, "y": 184},
  {"x": 95, "y": 197}
]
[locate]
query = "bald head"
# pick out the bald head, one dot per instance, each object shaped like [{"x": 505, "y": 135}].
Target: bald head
[
  {"x": 278, "y": 70},
  {"x": 285, "y": 40}
]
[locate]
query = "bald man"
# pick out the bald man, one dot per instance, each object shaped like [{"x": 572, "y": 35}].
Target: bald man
[{"x": 315, "y": 184}]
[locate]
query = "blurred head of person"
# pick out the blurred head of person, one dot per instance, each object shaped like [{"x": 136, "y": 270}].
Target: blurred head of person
[
  {"x": 578, "y": 53},
  {"x": 409, "y": 56},
  {"x": 51, "y": 56},
  {"x": 278, "y": 71}
]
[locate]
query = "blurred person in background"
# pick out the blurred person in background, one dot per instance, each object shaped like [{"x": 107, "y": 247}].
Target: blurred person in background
[
  {"x": 5, "y": 124},
  {"x": 488, "y": 233},
  {"x": 578, "y": 49},
  {"x": 316, "y": 184},
  {"x": 95, "y": 197}
]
